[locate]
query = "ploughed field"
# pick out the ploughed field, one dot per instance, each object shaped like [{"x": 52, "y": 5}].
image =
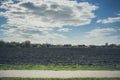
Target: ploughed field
[{"x": 61, "y": 56}]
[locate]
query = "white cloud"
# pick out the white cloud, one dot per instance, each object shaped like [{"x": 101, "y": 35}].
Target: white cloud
[
  {"x": 64, "y": 30},
  {"x": 36, "y": 19},
  {"x": 35, "y": 36},
  {"x": 101, "y": 40},
  {"x": 101, "y": 36},
  {"x": 118, "y": 14},
  {"x": 113, "y": 39},
  {"x": 109, "y": 20},
  {"x": 49, "y": 13},
  {"x": 97, "y": 36},
  {"x": 101, "y": 32}
]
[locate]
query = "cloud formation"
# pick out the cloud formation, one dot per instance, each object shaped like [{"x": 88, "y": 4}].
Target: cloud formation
[
  {"x": 101, "y": 36},
  {"x": 110, "y": 19},
  {"x": 64, "y": 30},
  {"x": 49, "y": 13},
  {"x": 97, "y": 36},
  {"x": 101, "y": 32},
  {"x": 36, "y": 19}
]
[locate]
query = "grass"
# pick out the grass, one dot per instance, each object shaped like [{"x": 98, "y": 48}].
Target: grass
[
  {"x": 51, "y": 67},
  {"x": 59, "y": 79}
]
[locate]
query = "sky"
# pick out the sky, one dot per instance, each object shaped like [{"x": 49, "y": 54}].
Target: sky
[{"x": 89, "y": 22}]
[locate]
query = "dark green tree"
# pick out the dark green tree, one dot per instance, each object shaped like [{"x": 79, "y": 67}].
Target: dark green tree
[
  {"x": 2, "y": 44},
  {"x": 26, "y": 44}
]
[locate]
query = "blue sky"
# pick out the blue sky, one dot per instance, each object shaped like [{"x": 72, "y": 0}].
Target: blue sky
[{"x": 60, "y": 21}]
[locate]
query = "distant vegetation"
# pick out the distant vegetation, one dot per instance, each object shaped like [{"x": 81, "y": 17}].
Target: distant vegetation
[{"x": 28, "y": 44}]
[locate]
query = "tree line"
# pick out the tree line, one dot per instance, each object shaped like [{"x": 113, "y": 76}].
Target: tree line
[{"x": 28, "y": 44}]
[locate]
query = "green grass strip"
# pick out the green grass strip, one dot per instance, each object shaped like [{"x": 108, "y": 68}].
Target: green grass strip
[
  {"x": 59, "y": 79},
  {"x": 51, "y": 67}
]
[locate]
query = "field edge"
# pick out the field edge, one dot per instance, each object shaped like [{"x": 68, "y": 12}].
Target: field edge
[
  {"x": 59, "y": 78},
  {"x": 53, "y": 67}
]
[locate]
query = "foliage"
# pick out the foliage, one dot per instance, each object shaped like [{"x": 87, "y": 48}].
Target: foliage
[{"x": 28, "y": 44}]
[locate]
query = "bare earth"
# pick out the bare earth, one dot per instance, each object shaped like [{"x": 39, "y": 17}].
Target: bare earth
[{"x": 59, "y": 74}]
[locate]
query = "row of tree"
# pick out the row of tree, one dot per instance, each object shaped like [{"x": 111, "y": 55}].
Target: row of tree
[{"x": 28, "y": 44}]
